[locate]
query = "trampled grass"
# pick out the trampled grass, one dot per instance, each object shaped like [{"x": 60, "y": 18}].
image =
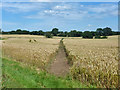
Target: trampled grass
[{"x": 19, "y": 75}]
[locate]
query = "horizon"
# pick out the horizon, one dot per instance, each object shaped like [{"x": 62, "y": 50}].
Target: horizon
[
  {"x": 58, "y": 30},
  {"x": 66, "y": 16}
]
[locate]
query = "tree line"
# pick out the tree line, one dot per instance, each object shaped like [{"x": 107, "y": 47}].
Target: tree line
[{"x": 100, "y": 33}]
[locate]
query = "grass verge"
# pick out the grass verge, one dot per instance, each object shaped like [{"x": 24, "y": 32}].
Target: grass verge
[{"x": 18, "y": 75}]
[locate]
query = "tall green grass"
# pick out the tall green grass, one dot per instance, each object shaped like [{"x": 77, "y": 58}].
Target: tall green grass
[{"x": 18, "y": 75}]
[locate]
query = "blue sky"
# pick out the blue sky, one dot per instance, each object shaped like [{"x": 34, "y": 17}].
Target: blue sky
[
  {"x": 63, "y": 15},
  {"x": 60, "y": 0}
]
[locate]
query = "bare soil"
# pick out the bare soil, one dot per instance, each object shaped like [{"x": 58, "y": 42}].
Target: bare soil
[{"x": 60, "y": 66}]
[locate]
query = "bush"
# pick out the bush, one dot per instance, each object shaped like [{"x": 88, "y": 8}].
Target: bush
[
  {"x": 97, "y": 37},
  {"x": 48, "y": 35}
]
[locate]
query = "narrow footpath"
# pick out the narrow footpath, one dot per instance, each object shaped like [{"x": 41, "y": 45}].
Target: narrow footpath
[{"x": 60, "y": 67}]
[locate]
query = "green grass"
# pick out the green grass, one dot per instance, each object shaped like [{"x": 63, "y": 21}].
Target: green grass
[
  {"x": 2, "y": 38},
  {"x": 18, "y": 75}
]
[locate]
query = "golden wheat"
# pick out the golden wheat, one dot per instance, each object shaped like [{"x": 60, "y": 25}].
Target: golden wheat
[
  {"x": 37, "y": 52},
  {"x": 94, "y": 61}
]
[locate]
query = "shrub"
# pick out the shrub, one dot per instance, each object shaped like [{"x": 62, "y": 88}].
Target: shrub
[
  {"x": 97, "y": 37},
  {"x": 48, "y": 35}
]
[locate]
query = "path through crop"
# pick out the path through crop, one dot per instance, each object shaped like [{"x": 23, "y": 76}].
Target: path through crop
[{"x": 60, "y": 66}]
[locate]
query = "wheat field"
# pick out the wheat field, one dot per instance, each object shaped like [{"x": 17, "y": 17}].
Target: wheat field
[
  {"x": 35, "y": 51},
  {"x": 94, "y": 60}
]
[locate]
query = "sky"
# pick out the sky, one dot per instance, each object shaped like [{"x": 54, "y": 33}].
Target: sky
[
  {"x": 59, "y": 0},
  {"x": 66, "y": 16}
]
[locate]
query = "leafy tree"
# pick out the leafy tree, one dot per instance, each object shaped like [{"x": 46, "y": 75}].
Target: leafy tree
[
  {"x": 74, "y": 33},
  {"x": 55, "y": 31},
  {"x": 18, "y": 31},
  {"x": 87, "y": 34},
  {"x": 63, "y": 34},
  {"x": 107, "y": 31},
  {"x": 25, "y": 32},
  {"x": 13, "y": 32},
  {"x": 93, "y": 33},
  {"x": 79, "y": 34},
  {"x": 66, "y": 33},
  {"x": 99, "y": 31},
  {"x": 34, "y": 33},
  {"x": 41, "y": 32}
]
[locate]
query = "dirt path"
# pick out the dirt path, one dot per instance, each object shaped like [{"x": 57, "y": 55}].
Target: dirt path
[{"x": 60, "y": 66}]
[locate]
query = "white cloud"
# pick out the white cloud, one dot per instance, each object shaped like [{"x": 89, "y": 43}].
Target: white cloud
[
  {"x": 71, "y": 15},
  {"x": 50, "y": 11},
  {"x": 63, "y": 10},
  {"x": 22, "y": 7},
  {"x": 104, "y": 9},
  {"x": 58, "y": 7},
  {"x": 89, "y": 25}
]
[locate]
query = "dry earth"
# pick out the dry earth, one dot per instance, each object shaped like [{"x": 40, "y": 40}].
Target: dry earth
[{"x": 60, "y": 66}]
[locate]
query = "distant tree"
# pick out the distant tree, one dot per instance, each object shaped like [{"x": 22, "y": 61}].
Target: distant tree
[
  {"x": 99, "y": 31},
  {"x": 18, "y": 31},
  {"x": 41, "y": 32},
  {"x": 79, "y": 34},
  {"x": 107, "y": 31},
  {"x": 12, "y": 32},
  {"x": 66, "y": 34},
  {"x": 34, "y": 33},
  {"x": 74, "y": 33},
  {"x": 25, "y": 32},
  {"x": 61, "y": 34},
  {"x": 0, "y": 31},
  {"x": 115, "y": 32},
  {"x": 87, "y": 34},
  {"x": 94, "y": 33},
  {"x": 55, "y": 31}
]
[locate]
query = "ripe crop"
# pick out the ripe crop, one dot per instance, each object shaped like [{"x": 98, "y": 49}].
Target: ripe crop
[
  {"x": 38, "y": 52},
  {"x": 94, "y": 61}
]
